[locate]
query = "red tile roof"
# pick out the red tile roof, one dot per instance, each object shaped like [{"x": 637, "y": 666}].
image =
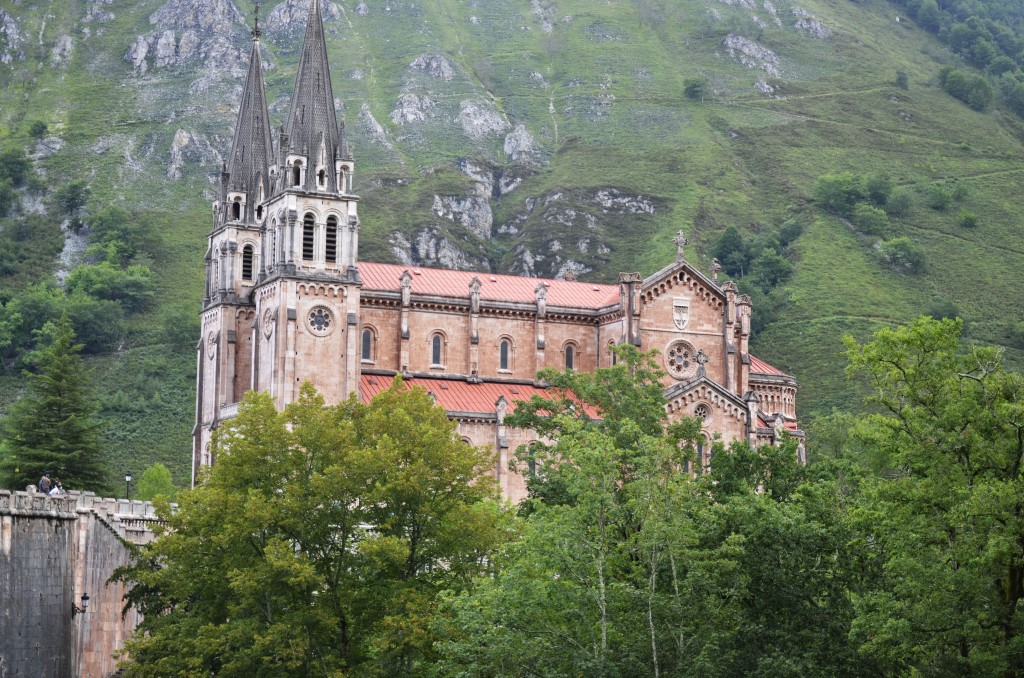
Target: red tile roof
[
  {"x": 758, "y": 366},
  {"x": 494, "y": 287},
  {"x": 457, "y": 395}
]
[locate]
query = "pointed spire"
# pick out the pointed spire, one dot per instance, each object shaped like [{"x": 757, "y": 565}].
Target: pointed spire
[
  {"x": 251, "y": 153},
  {"x": 256, "y": 32},
  {"x": 312, "y": 113}
]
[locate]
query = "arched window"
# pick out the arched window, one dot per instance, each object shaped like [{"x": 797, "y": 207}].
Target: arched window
[
  {"x": 611, "y": 353},
  {"x": 570, "y": 357},
  {"x": 436, "y": 350},
  {"x": 341, "y": 181},
  {"x": 236, "y": 209},
  {"x": 248, "y": 255},
  {"x": 505, "y": 355},
  {"x": 308, "y": 231},
  {"x": 331, "y": 244},
  {"x": 321, "y": 178},
  {"x": 367, "y": 345},
  {"x": 259, "y": 212},
  {"x": 297, "y": 173}
]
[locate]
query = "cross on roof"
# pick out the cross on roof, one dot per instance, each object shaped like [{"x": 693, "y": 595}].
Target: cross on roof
[{"x": 680, "y": 241}]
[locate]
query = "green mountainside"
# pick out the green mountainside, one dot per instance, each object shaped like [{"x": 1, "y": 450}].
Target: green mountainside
[{"x": 525, "y": 136}]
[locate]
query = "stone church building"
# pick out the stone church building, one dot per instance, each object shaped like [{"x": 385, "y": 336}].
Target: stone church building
[{"x": 287, "y": 300}]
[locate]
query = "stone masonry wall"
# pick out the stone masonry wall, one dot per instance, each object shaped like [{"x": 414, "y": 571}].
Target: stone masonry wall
[{"x": 52, "y": 550}]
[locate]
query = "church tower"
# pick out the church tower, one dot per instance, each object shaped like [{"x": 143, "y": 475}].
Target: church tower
[
  {"x": 307, "y": 294},
  {"x": 235, "y": 244}
]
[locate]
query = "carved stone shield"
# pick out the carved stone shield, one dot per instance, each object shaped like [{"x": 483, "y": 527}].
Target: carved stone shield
[{"x": 681, "y": 312}]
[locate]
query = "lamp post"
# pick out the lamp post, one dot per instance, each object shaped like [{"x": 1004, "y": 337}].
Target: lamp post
[{"x": 127, "y": 484}]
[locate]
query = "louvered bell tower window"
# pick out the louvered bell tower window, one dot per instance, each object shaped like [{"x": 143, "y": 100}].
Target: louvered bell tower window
[
  {"x": 308, "y": 237},
  {"x": 331, "y": 244}
]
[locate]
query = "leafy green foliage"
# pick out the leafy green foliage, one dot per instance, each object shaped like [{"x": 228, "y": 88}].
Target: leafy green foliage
[
  {"x": 52, "y": 428},
  {"x": 132, "y": 285},
  {"x": 336, "y": 529},
  {"x": 628, "y": 565},
  {"x": 156, "y": 482},
  {"x": 731, "y": 252},
  {"x": 696, "y": 88},
  {"x": 73, "y": 196},
  {"x": 940, "y": 534},
  {"x": 899, "y": 203},
  {"x": 770, "y": 270},
  {"x": 38, "y": 129},
  {"x": 870, "y": 220},
  {"x": 939, "y": 198},
  {"x": 839, "y": 192},
  {"x": 903, "y": 254},
  {"x": 968, "y": 220},
  {"x": 901, "y": 80},
  {"x": 15, "y": 167},
  {"x": 116, "y": 234},
  {"x": 973, "y": 90}
]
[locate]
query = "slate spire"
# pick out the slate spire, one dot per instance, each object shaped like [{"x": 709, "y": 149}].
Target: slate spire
[
  {"x": 251, "y": 151},
  {"x": 312, "y": 126}
]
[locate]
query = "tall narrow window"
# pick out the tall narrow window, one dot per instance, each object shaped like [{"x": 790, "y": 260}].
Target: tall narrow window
[
  {"x": 611, "y": 352},
  {"x": 259, "y": 213},
  {"x": 321, "y": 178},
  {"x": 308, "y": 231},
  {"x": 503, "y": 355},
  {"x": 236, "y": 210},
  {"x": 367, "y": 345},
  {"x": 436, "y": 345},
  {"x": 248, "y": 254},
  {"x": 341, "y": 182},
  {"x": 570, "y": 358},
  {"x": 331, "y": 244},
  {"x": 297, "y": 174}
]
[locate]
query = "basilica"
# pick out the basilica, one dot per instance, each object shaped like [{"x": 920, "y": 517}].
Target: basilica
[{"x": 287, "y": 301}]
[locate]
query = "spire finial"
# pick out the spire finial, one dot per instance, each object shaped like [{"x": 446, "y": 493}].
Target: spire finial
[{"x": 256, "y": 33}]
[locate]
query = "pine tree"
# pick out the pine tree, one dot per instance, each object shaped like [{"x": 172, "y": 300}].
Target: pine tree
[{"x": 52, "y": 427}]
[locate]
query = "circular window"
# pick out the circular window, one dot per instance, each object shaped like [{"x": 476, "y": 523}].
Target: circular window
[
  {"x": 681, "y": 360},
  {"x": 703, "y": 412},
  {"x": 320, "y": 321}
]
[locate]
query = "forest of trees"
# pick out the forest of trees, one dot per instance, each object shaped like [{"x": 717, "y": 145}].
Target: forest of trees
[{"x": 365, "y": 539}]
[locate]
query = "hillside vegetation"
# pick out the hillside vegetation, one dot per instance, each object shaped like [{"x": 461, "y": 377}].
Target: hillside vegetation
[{"x": 533, "y": 137}]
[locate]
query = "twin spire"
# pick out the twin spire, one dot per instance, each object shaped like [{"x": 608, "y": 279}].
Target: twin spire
[{"x": 311, "y": 129}]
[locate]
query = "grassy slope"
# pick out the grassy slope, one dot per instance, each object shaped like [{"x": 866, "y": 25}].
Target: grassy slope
[{"x": 609, "y": 112}]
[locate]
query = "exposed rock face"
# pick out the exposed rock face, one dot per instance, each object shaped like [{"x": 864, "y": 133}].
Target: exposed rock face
[
  {"x": 96, "y": 13},
  {"x": 814, "y": 27},
  {"x": 434, "y": 65},
  {"x": 751, "y": 54},
  {"x": 10, "y": 49},
  {"x": 614, "y": 201},
  {"x": 189, "y": 147},
  {"x": 411, "y": 108},
  {"x": 375, "y": 129},
  {"x": 474, "y": 212},
  {"x": 431, "y": 248},
  {"x": 190, "y": 30},
  {"x": 61, "y": 53},
  {"x": 545, "y": 13},
  {"x": 480, "y": 121},
  {"x": 208, "y": 16},
  {"x": 289, "y": 18},
  {"x": 520, "y": 146}
]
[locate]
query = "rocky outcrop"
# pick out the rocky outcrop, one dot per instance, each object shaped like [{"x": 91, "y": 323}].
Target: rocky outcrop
[
  {"x": 375, "y": 130},
  {"x": 189, "y": 147},
  {"x": 472, "y": 212},
  {"x": 433, "y": 249},
  {"x": 412, "y": 108},
  {"x": 520, "y": 146},
  {"x": 479, "y": 120},
  {"x": 434, "y": 65},
  {"x": 751, "y": 54},
  {"x": 289, "y": 18},
  {"x": 191, "y": 31},
  {"x": 61, "y": 53},
  {"x": 10, "y": 39}
]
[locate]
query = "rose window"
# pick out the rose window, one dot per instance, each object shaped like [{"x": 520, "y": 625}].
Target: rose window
[
  {"x": 702, "y": 412},
  {"x": 681, "y": 360},
  {"x": 320, "y": 320}
]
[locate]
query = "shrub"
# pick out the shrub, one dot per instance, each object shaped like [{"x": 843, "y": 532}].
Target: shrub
[
  {"x": 14, "y": 167},
  {"x": 973, "y": 90},
  {"x": 770, "y": 270},
  {"x": 133, "y": 286},
  {"x": 870, "y": 220},
  {"x": 904, "y": 255},
  {"x": 72, "y": 197},
  {"x": 731, "y": 252},
  {"x": 899, "y": 203},
  {"x": 901, "y": 80},
  {"x": 1015, "y": 335},
  {"x": 944, "y": 309},
  {"x": 878, "y": 186},
  {"x": 938, "y": 198},
  {"x": 839, "y": 192},
  {"x": 38, "y": 130},
  {"x": 696, "y": 89},
  {"x": 968, "y": 220},
  {"x": 790, "y": 231}
]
